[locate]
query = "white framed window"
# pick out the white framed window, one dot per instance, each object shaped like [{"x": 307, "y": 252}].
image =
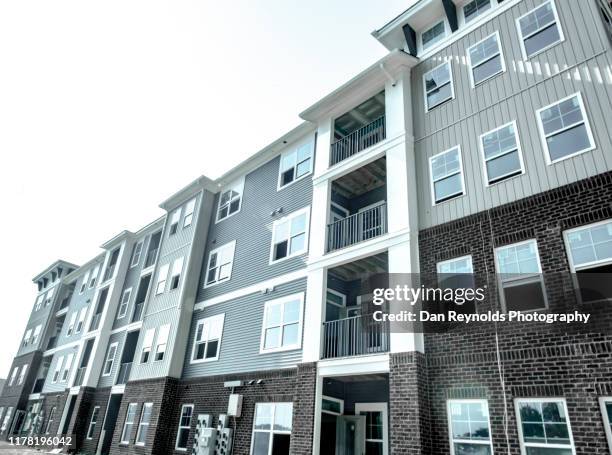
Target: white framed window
[
  {"x": 94, "y": 276},
  {"x": 27, "y": 336},
  {"x": 220, "y": 264},
  {"x": 143, "y": 424},
  {"x": 456, "y": 266},
  {"x": 71, "y": 323},
  {"x": 162, "y": 276},
  {"x": 184, "y": 426},
  {"x": 230, "y": 200},
  {"x": 446, "y": 170},
  {"x": 272, "y": 427},
  {"x": 110, "y": 359},
  {"x": 92, "y": 422},
  {"x": 81, "y": 320},
  {"x": 50, "y": 420},
  {"x": 433, "y": 34},
  {"x": 438, "y": 85},
  {"x": 290, "y": 235},
  {"x": 39, "y": 302},
  {"x": 36, "y": 334},
  {"x": 543, "y": 426},
  {"x": 521, "y": 285},
  {"x": 282, "y": 324},
  {"x": 147, "y": 344},
  {"x": 22, "y": 375},
  {"x": 376, "y": 426},
  {"x": 137, "y": 253},
  {"x": 84, "y": 282},
  {"x": 175, "y": 277},
  {"x": 332, "y": 406},
  {"x": 486, "y": 59},
  {"x": 162, "y": 341},
  {"x": 473, "y": 9},
  {"x": 469, "y": 427},
  {"x": 13, "y": 376},
  {"x": 207, "y": 342},
  {"x": 67, "y": 367},
  {"x": 58, "y": 369},
  {"x": 174, "y": 221},
  {"x": 189, "y": 209},
  {"x": 124, "y": 303},
  {"x": 130, "y": 416},
  {"x": 295, "y": 164},
  {"x": 606, "y": 412},
  {"x": 539, "y": 29},
  {"x": 49, "y": 296},
  {"x": 501, "y": 153},
  {"x": 7, "y": 419},
  {"x": 335, "y": 305},
  {"x": 565, "y": 129}
]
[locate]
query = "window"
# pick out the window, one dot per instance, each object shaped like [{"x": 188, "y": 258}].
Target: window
[
  {"x": 539, "y": 29},
  {"x": 7, "y": 419},
  {"x": 220, "y": 261},
  {"x": 130, "y": 415},
  {"x": 136, "y": 254},
  {"x": 162, "y": 276},
  {"x": 433, "y": 35},
  {"x": 475, "y": 8},
  {"x": 81, "y": 320},
  {"x": 290, "y": 235},
  {"x": 123, "y": 304},
  {"x": 272, "y": 428},
  {"x": 454, "y": 274},
  {"x": 606, "y": 412},
  {"x": 110, "y": 359},
  {"x": 486, "y": 59},
  {"x": 49, "y": 296},
  {"x": 58, "y": 369},
  {"x": 27, "y": 336},
  {"x": 93, "y": 422},
  {"x": 143, "y": 425},
  {"x": 94, "y": 275},
  {"x": 177, "y": 269},
  {"x": 565, "y": 129},
  {"x": 295, "y": 164},
  {"x": 544, "y": 426},
  {"x": 501, "y": 153},
  {"x": 24, "y": 370},
  {"x": 84, "y": 282},
  {"x": 208, "y": 339},
  {"x": 282, "y": 324},
  {"x": 67, "y": 366},
  {"x": 469, "y": 427},
  {"x": 147, "y": 343},
  {"x": 589, "y": 250},
  {"x": 174, "y": 221},
  {"x": 184, "y": 426},
  {"x": 13, "y": 376},
  {"x": 162, "y": 341},
  {"x": 189, "y": 208},
  {"x": 520, "y": 276},
  {"x": 72, "y": 323},
  {"x": 36, "y": 334},
  {"x": 438, "y": 85},
  {"x": 39, "y": 301},
  {"x": 230, "y": 200},
  {"x": 50, "y": 420},
  {"x": 446, "y": 175}
]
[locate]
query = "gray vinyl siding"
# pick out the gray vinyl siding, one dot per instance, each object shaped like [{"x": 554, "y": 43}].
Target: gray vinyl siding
[
  {"x": 579, "y": 64},
  {"x": 78, "y": 301},
  {"x": 59, "y": 386},
  {"x": 108, "y": 381},
  {"x": 240, "y": 342}
]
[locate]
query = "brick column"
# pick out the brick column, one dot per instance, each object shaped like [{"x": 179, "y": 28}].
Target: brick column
[{"x": 303, "y": 409}]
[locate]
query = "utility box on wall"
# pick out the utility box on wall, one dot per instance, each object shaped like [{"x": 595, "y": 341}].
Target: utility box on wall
[{"x": 234, "y": 405}]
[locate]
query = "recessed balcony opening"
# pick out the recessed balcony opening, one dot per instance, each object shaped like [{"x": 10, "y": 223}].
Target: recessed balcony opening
[
  {"x": 358, "y": 208},
  {"x": 359, "y": 129}
]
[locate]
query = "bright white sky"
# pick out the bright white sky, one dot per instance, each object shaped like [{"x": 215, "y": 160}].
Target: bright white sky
[{"x": 107, "y": 108}]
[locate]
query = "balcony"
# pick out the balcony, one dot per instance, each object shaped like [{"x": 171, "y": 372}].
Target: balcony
[
  {"x": 357, "y": 228},
  {"x": 95, "y": 322},
  {"x": 38, "y": 385},
  {"x": 124, "y": 373},
  {"x": 80, "y": 376},
  {"x": 109, "y": 272},
  {"x": 357, "y": 335}
]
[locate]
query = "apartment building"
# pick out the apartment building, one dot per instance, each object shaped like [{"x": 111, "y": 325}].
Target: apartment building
[{"x": 241, "y": 320}]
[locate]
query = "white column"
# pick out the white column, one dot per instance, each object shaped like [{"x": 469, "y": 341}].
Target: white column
[
  {"x": 321, "y": 195},
  {"x": 324, "y": 139},
  {"x": 313, "y": 314}
]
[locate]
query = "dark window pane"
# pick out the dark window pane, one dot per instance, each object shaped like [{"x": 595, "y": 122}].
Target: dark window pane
[
  {"x": 287, "y": 177},
  {"x": 182, "y": 438},
  {"x": 524, "y": 297},
  {"x": 234, "y": 206},
  {"x": 280, "y": 250},
  {"x": 542, "y": 39},
  {"x": 503, "y": 167},
  {"x": 200, "y": 351},
  {"x": 487, "y": 69},
  {"x": 569, "y": 141},
  {"x": 439, "y": 95},
  {"x": 280, "y": 444},
  {"x": 211, "y": 349},
  {"x": 472, "y": 449},
  {"x": 374, "y": 448}
]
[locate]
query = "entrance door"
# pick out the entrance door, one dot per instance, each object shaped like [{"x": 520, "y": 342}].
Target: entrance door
[
  {"x": 350, "y": 435},
  {"x": 376, "y": 427},
  {"x": 108, "y": 425}
]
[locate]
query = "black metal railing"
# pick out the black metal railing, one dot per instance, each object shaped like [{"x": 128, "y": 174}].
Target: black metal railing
[
  {"x": 137, "y": 315},
  {"x": 124, "y": 373},
  {"x": 95, "y": 322},
  {"x": 358, "y": 335},
  {"x": 80, "y": 376},
  {"x": 150, "y": 260},
  {"x": 358, "y": 140},
  {"x": 356, "y": 228}
]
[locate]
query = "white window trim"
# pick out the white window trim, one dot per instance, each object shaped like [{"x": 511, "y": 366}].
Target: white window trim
[
  {"x": 452, "y": 83},
  {"x": 460, "y": 258},
  {"x": 22, "y": 374},
  {"x": 127, "y": 291},
  {"x": 93, "y": 422},
  {"x": 282, "y": 300},
  {"x": 522, "y": 39},
  {"x": 462, "y": 17},
  {"x": 59, "y": 365},
  {"x": 289, "y": 217},
  {"x": 178, "y": 263},
  {"x": 84, "y": 283},
  {"x": 517, "y": 401},
  {"x": 141, "y": 424},
  {"x": 294, "y": 149},
  {"x": 187, "y": 213},
  {"x": 420, "y": 47},
  {"x": 176, "y": 447},
  {"x": 163, "y": 271},
  {"x": 231, "y": 244},
  {"x": 72, "y": 324},
  {"x": 65, "y": 373},
  {"x": 147, "y": 346},
  {"x": 195, "y": 341},
  {"x": 484, "y": 160},
  {"x": 166, "y": 329},
  {"x": 501, "y": 56},
  {"x": 171, "y": 223},
  {"x": 431, "y": 179},
  {"x": 106, "y": 358},
  {"x": 271, "y": 431},
  {"x": 235, "y": 184},
  {"x": 125, "y": 423},
  {"x": 337, "y": 294},
  {"x": 383, "y": 409},
  {"x": 452, "y": 440},
  {"x": 132, "y": 263},
  {"x": 585, "y": 120},
  {"x": 606, "y": 421},
  {"x": 588, "y": 265},
  {"x": 335, "y": 400}
]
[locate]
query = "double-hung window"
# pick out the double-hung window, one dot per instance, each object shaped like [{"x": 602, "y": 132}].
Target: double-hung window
[
  {"x": 446, "y": 175},
  {"x": 130, "y": 416},
  {"x": 136, "y": 254},
  {"x": 606, "y": 412},
  {"x": 473, "y": 9},
  {"x": 438, "y": 85},
  {"x": 189, "y": 209},
  {"x": 486, "y": 59},
  {"x": 36, "y": 334},
  {"x": 230, "y": 200},
  {"x": 272, "y": 428},
  {"x": 24, "y": 370},
  {"x": 110, "y": 359},
  {"x": 147, "y": 344},
  {"x": 85, "y": 282},
  {"x": 39, "y": 302},
  {"x": 544, "y": 426},
  {"x": 174, "y": 221},
  {"x": 175, "y": 277},
  {"x": 282, "y": 324},
  {"x": 184, "y": 426},
  {"x": 501, "y": 153},
  {"x": 13, "y": 376},
  {"x": 469, "y": 427},
  {"x": 71, "y": 323},
  {"x": 290, "y": 235},
  {"x": 539, "y": 29},
  {"x": 58, "y": 368},
  {"x": 67, "y": 366},
  {"x": 454, "y": 274},
  {"x": 162, "y": 276},
  {"x": 81, "y": 320},
  {"x": 220, "y": 261},
  {"x": 49, "y": 296},
  {"x": 295, "y": 164},
  {"x": 520, "y": 276},
  {"x": 124, "y": 302},
  {"x": 94, "y": 276},
  {"x": 143, "y": 425},
  {"x": 433, "y": 35},
  {"x": 92, "y": 423},
  {"x": 565, "y": 128},
  {"x": 207, "y": 341},
  {"x": 27, "y": 336},
  {"x": 162, "y": 341}
]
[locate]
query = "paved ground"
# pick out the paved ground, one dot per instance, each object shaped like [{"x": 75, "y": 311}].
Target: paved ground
[{"x": 7, "y": 449}]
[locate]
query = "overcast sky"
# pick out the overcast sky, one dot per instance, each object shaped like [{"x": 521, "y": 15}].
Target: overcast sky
[{"x": 107, "y": 108}]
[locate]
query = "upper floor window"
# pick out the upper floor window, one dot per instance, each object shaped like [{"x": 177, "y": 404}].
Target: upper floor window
[
  {"x": 147, "y": 344},
  {"x": 433, "y": 35},
  {"x": 36, "y": 334},
  {"x": 162, "y": 341},
  {"x": 501, "y": 153},
  {"x": 81, "y": 320},
  {"x": 544, "y": 426},
  {"x": 175, "y": 277},
  {"x": 27, "y": 336},
  {"x": 22, "y": 375},
  {"x": 67, "y": 367},
  {"x": 207, "y": 341},
  {"x": 13, "y": 376},
  {"x": 220, "y": 261},
  {"x": 454, "y": 274},
  {"x": 93, "y": 422},
  {"x": 282, "y": 324},
  {"x": 606, "y": 411},
  {"x": 110, "y": 359},
  {"x": 486, "y": 59},
  {"x": 295, "y": 164},
  {"x": 290, "y": 235},
  {"x": 565, "y": 129},
  {"x": 272, "y": 428},
  {"x": 84, "y": 282},
  {"x": 39, "y": 302},
  {"x": 124, "y": 302},
  {"x": 189, "y": 209},
  {"x": 58, "y": 369},
  {"x": 230, "y": 200},
  {"x": 94, "y": 276},
  {"x": 71, "y": 323},
  {"x": 49, "y": 296},
  {"x": 446, "y": 175},
  {"x": 162, "y": 277},
  {"x": 539, "y": 29},
  {"x": 475, "y": 8},
  {"x": 136, "y": 254},
  {"x": 469, "y": 426},
  {"x": 438, "y": 85},
  {"x": 174, "y": 221},
  {"x": 462, "y": 265}
]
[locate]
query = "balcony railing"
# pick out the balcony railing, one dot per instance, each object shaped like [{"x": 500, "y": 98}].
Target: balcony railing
[
  {"x": 52, "y": 342},
  {"x": 38, "y": 385},
  {"x": 150, "y": 260},
  {"x": 108, "y": 274},
  {"x": 357, "y": 228},
  {"x": 137, "y": 312},
  {"x": 80, "y": 376},
  {"x": 124, "y": 373},
  {"x": 95, "y": 322},
  {"x": 357, "y": 141},
  {"x": 358, "y": 335}
]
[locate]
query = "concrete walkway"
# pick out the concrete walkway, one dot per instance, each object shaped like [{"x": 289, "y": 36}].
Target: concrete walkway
[{"x": 8, "y": 449}]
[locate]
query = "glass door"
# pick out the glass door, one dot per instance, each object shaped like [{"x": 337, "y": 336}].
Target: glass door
[{"x": 376, "y": 427}]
